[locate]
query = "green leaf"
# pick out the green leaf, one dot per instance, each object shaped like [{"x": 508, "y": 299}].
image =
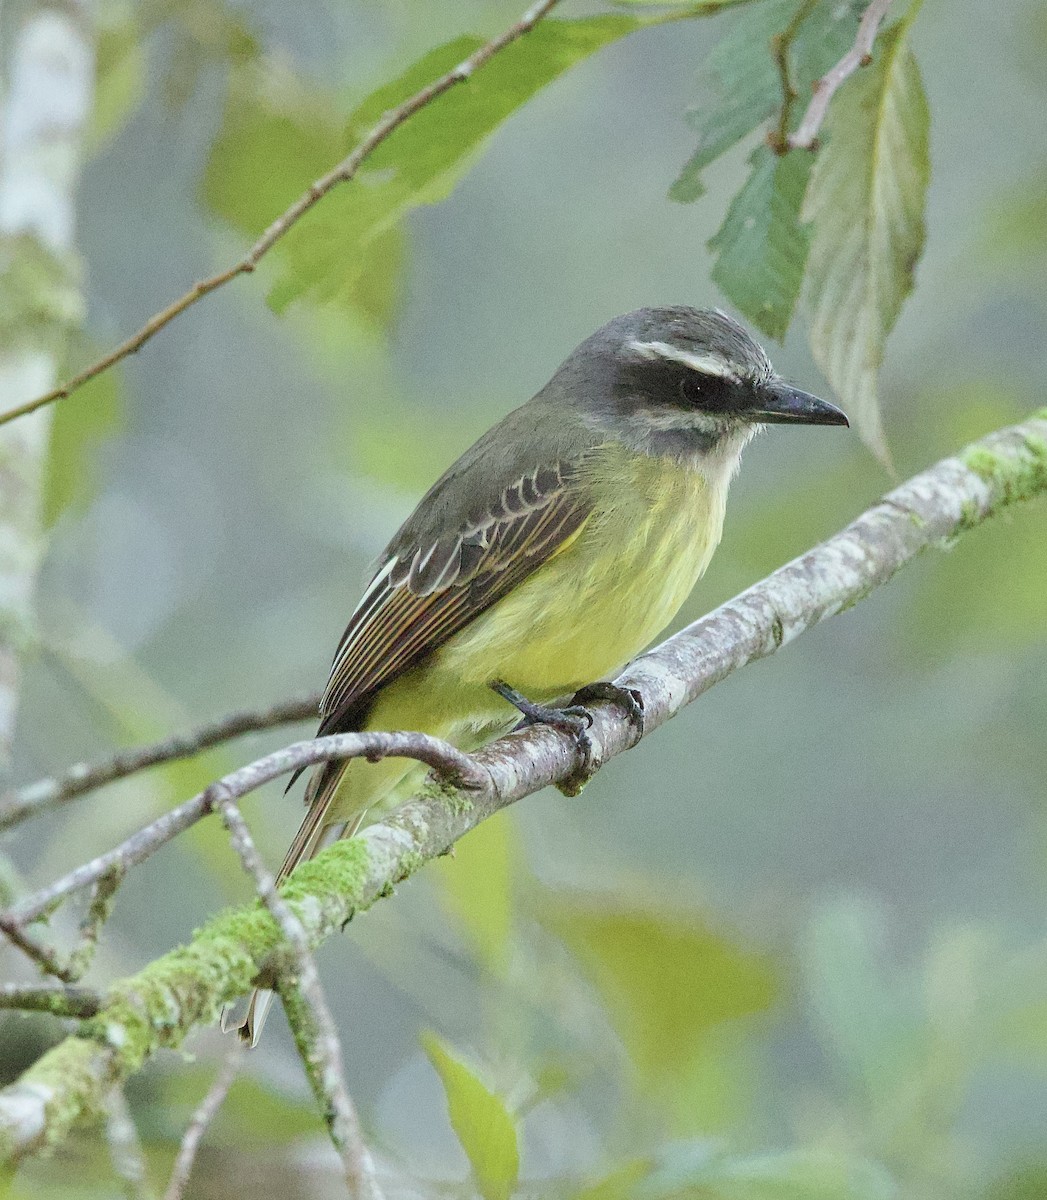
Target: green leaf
[
  {"x": 761, "y": 246},
  {"x": 670, "y": 986},
  {"x": 422, "y": 161},
  {"x": 81, "y": 423},
  {"x": 866, "y": 202},
  {"x": 120, "y": 72},
  {"x": 739, "y": 86},
  {"x": 477, "y": 886},
  {"x": 481, "y": 1122}
]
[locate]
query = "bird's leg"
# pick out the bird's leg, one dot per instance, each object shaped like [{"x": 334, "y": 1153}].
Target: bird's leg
[
  {"x": 627, "y": 698},
  {"x": 574, "y": 719}
]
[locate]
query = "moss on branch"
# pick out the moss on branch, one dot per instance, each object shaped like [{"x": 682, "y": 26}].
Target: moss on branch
[{"x": 163, "y": 1003}]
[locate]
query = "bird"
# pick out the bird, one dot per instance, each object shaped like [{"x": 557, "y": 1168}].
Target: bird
[{"x": 550, "y": 554}]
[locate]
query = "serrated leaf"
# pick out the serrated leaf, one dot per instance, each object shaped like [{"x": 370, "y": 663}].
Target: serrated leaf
[
  {"x": 739, "y": 83},
  {"x": 422, "y": 161},
  {"x": 761, "y": 247},
  {"x": 866, "y": 204},
  {"x": 480, "y": 1121}
]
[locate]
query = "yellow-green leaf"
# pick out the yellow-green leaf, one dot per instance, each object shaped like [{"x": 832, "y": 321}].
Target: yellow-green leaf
[
  {"x": 670, "y": 985},
  {"x": 81, "y": 424},
  {"x": 477, "y": 886},
  {"x": 481, "y": 1122},
  {"x": 866, "y": 203},
  {"x": 739, "y": 85}
]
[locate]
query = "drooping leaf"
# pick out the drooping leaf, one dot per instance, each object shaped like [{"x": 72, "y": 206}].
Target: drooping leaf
[
  {"x": 866, "y": 204},
  {"x": 739, "y": 86},
  {"x": 761, "y": 246},
  {"x": 477, "y": 886},
  {"x": 481, "y": 1122}
]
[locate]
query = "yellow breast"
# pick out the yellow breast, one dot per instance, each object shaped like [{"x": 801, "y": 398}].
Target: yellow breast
[{"x": 610, "y": 592}]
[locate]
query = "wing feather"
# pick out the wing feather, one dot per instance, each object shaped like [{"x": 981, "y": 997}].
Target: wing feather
[{"x": 420, "y": 599}]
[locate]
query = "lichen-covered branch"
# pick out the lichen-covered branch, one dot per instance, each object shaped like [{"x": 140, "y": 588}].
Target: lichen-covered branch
[
  {"x": 45, "y": 794},
  {"x": 59, "y": 999},
  {"x": 441, "y": 756},
  {"x": 239, "y": 948},
  {"x": 315, "y": 1033}
]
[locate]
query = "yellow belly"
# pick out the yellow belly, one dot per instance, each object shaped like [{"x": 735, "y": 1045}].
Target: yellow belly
[
  {"x": 581, "y": 617},
  {"x": 606, "y": 596}
]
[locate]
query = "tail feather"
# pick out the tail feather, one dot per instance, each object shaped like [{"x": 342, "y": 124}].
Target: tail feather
[{"x": 308, "y": 841}]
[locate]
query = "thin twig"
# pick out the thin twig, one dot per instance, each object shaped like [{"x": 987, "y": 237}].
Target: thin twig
[
  {"x": 444, "y": 758},
  {"x": 45, "y": 794},
  {"x": 859, "y": 55},
  {"x": 201, "y": 1119},
  {"x": 42, "y": 955},
  {"x": 342, "y": 173},
  {"x": 163, "y": 1003},
  {"x": 125, "y": 1147},
  {"x": 315, "y": 1033},
  {"x": 61, "y": 1000},
  {"x": 781, "y": 43}
]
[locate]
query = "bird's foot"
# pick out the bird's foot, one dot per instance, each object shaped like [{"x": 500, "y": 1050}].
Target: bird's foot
[
  {"x": 574, "y": 719},
  {"x": 627, "y": 698}
]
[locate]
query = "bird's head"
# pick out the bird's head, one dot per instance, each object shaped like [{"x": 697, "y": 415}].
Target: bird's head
[{"x": 689, "y": 380}]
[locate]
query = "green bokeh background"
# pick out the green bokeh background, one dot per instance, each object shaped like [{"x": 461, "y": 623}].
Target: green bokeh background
[{"x": 794, "y": 944}]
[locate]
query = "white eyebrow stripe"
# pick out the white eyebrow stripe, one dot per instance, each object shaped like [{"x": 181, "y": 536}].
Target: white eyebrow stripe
[{"x": 707, "y": 364}]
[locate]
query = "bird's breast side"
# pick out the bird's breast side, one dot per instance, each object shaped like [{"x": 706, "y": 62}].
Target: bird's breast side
[{"x": 591, "y": 608}]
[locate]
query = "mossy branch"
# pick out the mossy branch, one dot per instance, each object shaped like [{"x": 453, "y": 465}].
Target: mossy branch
[{"x": 241, "y": 947}]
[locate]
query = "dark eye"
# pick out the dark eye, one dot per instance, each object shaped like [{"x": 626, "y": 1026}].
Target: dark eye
[{"x": 710, "y": 392}]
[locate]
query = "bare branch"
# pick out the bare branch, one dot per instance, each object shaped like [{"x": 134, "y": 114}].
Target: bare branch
[
  {"x": 45, "y": 794},
  {"x": 61, "y": 1000},
  {"x": 342, "y": 173},
  {"x": 859, "y": 55},
  {"x": 311, "y": 1021},
  {"x": 237, "y": 949},
  {"x": 449, "y": 762},
  {"x": 42, "y": 955},
  {"x": 199, "y": 1122}
]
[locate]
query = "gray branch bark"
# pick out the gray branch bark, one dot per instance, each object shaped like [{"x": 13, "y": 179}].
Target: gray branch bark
[{"x": 163, "y": 1003}]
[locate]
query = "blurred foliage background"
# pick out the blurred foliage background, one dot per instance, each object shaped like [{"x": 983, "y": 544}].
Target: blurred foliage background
[{"x": 793, "y": 946}]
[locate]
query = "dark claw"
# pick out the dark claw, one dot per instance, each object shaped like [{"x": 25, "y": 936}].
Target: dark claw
[
  {"x": 575, "y": 719},
  {"x": 610, "y": 692},
  {"x": 570, "y": 719}
]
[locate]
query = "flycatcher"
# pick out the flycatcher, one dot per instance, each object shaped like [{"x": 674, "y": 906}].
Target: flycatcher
[{"x": 551, "y": 553}]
